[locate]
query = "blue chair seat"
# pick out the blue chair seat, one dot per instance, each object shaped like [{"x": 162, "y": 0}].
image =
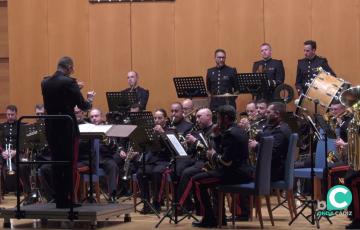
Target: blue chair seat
[
  {"x": 280, "y": 184},
  {"x": 305, "y": 172},
  {"x": 246, "y": 188}
]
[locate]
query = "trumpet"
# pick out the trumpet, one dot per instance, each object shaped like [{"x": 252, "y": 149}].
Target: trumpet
[{"x": 8, "y": 160}]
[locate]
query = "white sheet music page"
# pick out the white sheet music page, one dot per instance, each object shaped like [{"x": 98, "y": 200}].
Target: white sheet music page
[
  {"x": 91, "y": 128},
  {"x": 179, "y": 148}
]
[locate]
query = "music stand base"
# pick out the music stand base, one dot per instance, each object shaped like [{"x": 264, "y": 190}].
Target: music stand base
[
  {"x": 145, "y": 202},
  {"x": 172, "y": 214}
]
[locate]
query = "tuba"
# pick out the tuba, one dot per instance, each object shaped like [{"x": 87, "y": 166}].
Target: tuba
[{"x": 351, "y": 98}]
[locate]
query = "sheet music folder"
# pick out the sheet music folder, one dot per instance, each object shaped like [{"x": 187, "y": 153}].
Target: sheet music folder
[{"x": 91, "y": 130}]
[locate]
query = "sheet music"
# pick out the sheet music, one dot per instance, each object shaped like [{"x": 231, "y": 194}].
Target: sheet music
[
  {"x": 91, "y": 128},
  {"x": 178, "y": 147}
]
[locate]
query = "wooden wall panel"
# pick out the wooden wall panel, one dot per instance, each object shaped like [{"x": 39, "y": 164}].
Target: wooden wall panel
[
  {"x": 68, "y": 34},
  {"x": 28, "y": 52},
  {"x": 287, "y": 31},
  {"x": 196, "y": 36},
  {"x": 240, "y": 33},
  {"x": 4, "y": 85},
  {"x": 110, "y": 53},
  {"x": 336, "y": 30},
  {"x": 4, "y": 44},
  {"x": 153, "y": 56}
]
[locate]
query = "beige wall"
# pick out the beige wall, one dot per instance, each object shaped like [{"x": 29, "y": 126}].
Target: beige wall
[{"x": 163, "y": 40}]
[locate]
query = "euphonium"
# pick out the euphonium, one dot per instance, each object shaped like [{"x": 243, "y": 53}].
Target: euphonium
[
  {"x": 8, "y": 160},
  {"x": 253, "y": 132},
  {"x": 351, "y": 98}
]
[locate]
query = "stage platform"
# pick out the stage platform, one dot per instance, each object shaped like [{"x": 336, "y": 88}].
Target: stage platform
[{"x": 87, "y": 212}]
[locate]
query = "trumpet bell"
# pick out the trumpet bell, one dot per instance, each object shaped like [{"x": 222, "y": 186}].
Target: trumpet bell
[{"x": 351, "y": 97}]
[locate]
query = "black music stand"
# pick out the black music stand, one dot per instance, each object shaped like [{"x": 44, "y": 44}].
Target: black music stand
[
  {"x": 120, "y": 101},
  {"x": 190, "y": 87},
  {"x": 144, "y": 139},
  {"x": 253, "y": 83},
  {"x": 177, "y": 151}
]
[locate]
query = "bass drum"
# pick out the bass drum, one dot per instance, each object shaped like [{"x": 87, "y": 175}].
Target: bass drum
[{"x": 325, "y": 88}]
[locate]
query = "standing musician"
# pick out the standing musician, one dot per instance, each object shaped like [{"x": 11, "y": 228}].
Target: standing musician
[
  {"x": 141, "y": 93},
  {"x": 61, "y": 94},
  {"x": 281, "y": 132},
  {"x": 221, "y": 79},
  {"x": 273, "y": 68},
  {"x": 230, "y": 155},
  {"x": 9, "y": 135},
  {"x": 198, "y": 142},
  {"x": 156, "y": 163},
  {"x": 306, "y": 68}
]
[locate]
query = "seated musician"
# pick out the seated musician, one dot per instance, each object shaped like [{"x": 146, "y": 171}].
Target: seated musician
[
  {"x": 142, "y": 95},
  {"x": 197, "y": 142},
  {"x": 189, "y": 110},
  {"x": 8, "y": 146},
  {"x": 281, "y": 133},
  {"x": 156, "y": 163},
  {"x": 229, "y": 157},
  {"x": 107, "y": 151},
  {"x": 251, "y": 116}
]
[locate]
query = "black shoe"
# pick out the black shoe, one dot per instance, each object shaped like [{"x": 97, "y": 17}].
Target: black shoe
[
  {"x": 204, "y": 224},
  {"x": 112, "y": 200},
  {"x": 146, "y": 210},
  {"x": 239, "y": 218},
  {"x": 353, "y": 225}
]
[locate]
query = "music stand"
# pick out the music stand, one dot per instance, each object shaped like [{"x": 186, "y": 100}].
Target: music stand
[
  {"x": 253, "y": 83},
  {"x": 177, "y": 151},
  {"x": 190, "y": 87},
  {"x": 118, "y": 118},
  {"x": 120, "y": 101},
  {"x": 144, "y": 139}
]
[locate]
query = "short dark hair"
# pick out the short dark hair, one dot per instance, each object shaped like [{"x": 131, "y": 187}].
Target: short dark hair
[
  {"x": 311, "y": 43},
  {"x": 219, "y": 50},
  {"x": 12, "y": 108},
  {"x": 65, "y": 63},
  {"x": 227, "y": 110},
  {"x": 39, "y": 106},
  {"x": 279, "y": 107},
  {"x": 261, "y": 101},
  {"x": 178, "y": 103},
  {"x": 161, "y": 111}
]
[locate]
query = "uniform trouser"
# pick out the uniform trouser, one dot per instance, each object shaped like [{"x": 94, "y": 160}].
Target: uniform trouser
[
  {"x": 187, "y": 174},
  {"x": 182, "y": 164},
  {"x": 24, "y": 174},
  {"x": 112, "y": 172},
  {"x": 352, "y": 181},
  {"x": 153, "y": 173},
  {"x": 46, "y": 182},
  {"x": 210, "y": 180}
]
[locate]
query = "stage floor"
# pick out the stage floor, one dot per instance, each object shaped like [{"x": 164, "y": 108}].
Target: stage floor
[{"x": 138, "y": 221}]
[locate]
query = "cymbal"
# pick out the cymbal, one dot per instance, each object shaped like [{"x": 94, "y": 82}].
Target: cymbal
[{"x": 225, "y": 95}]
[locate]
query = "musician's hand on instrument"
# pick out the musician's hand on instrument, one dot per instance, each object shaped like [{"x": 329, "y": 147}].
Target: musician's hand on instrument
[
  {"x": 298, "y": 91},
  {"x": 210, "y": 153},
  {"x": 340, "y": 143},
  {"x": 253, "y": 144},
  {"x": 244, "y": 123},
  {"x": 158, "y": 129},
  {"x": 5, "y": 154},
  {"x": 190, "y": 138},
  {"x": 122, "y": 154},
  {"x": 12, "y": 153}
]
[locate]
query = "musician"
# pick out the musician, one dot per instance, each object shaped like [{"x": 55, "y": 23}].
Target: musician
[
  {"x": 231, "y": 156},
  {"x": 189, "y": 110},
  {"x": 39, "y": 110},
  {"x": 273, "y": 68},
  {"x": 61, "y": 94},
  {"x": 306, "y": 68},
  {"x": 9, "y": 136},
  {"x": 107, "y": 152},
  {"x": 156, "y": 163},
  {"x": 281, "y": 132},
  {"x": 141, "y": 93},
  {"x": 195, "y": 140},
  {"x": 221, "y": 79},
  {"x": 251, "y": 116}
]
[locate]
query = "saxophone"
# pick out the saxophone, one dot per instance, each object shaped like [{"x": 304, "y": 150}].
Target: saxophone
[{"x": 130, "y": 154}]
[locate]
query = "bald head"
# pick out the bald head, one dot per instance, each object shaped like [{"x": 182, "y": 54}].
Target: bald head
[
  {"x": 188, "y": 106},
  {"x": 96, "y": 116},
  {"x": 132, "y": 78},
  {"x": 204, "y": 118}
]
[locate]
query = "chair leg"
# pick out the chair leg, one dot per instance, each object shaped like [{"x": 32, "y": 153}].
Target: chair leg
[
  {"x": 251, "y": 200},
  {"x": 293, "y": 201},
  {"x": 258, "y": 207},
  {"x": 268, "y": 204},
  {"x": 84, "y": 190},
  {"x": 278, "y": 196},
  {"x": 135, "y": 193},
  {"x": 290, "y": 204},
  {"x": 167, "y": 194},
  {"x": 220, "y": 208},
  {"x": 97, "y": 191},
  {"x": 234, "y": 199}
]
